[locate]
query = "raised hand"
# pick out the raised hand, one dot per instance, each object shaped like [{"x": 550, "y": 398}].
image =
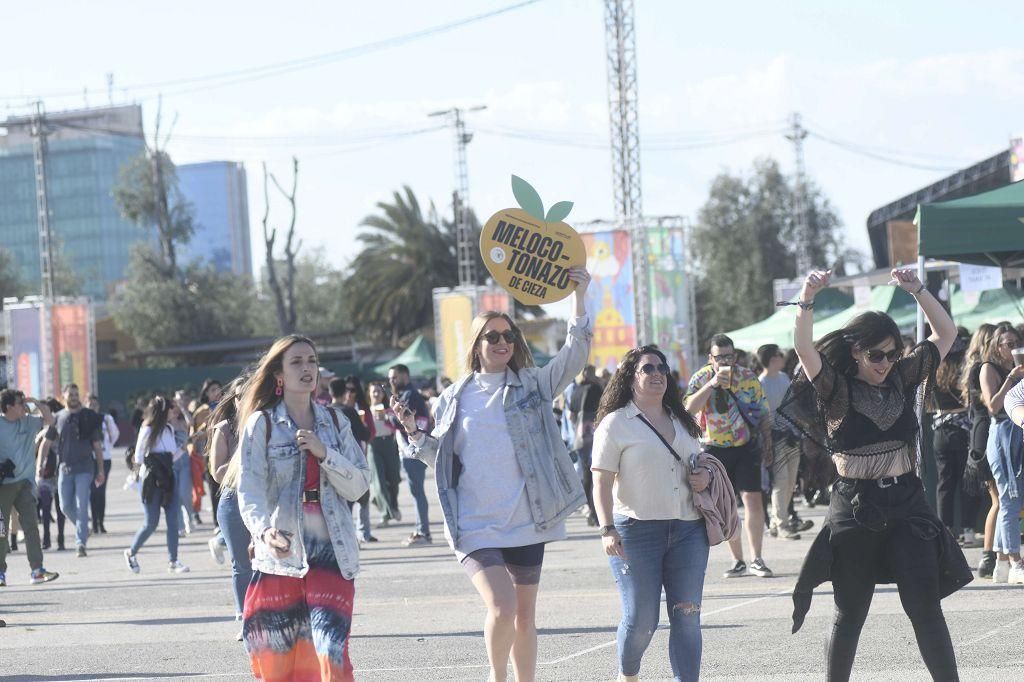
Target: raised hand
[
  {"x": 815, "y": 281},
  {"x": 906, "y": 279}
]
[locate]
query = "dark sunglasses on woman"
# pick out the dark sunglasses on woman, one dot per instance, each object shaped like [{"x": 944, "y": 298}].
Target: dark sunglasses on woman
[
  {"x": 493, "y": 336},
  {"x": 876, "y": 356},
  {"x": 661, "y": 368}
]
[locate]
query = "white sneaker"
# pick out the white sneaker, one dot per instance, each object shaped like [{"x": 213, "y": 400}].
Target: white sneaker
[
  {"x": 133, "y": 563},
  {"x": 1016, "y": 574},
  {"x": 216, "y": 549},
  {"x": 176, "y": 567},
  {"x": 1002, "y": 572},
  {"x": 970, "y": 540}
]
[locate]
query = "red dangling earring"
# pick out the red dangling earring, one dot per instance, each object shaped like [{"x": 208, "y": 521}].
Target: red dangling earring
[{"x": 279, "y": 389}]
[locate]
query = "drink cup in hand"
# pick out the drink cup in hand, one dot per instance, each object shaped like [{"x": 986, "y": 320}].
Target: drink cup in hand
[
  {"x": 1018, "y": 356},
  {"x": 725, "y": 377}
]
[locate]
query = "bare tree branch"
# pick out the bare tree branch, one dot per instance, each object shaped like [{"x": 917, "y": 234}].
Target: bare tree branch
[
  {"x": 291, "y": 249},
  {"x": 269, "y": 237}
]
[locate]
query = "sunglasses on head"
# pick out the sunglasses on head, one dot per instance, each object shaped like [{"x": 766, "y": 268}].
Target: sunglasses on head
[
  {"x": 648, "y": 369},
  {"x": 493, "y": 336},
  {"x": 876, "y": 356}
]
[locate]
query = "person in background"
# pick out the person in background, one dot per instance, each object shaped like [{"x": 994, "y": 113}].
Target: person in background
[
  {"x": 383, "y": 458},
  {"x": 179, "y": 420},
  {"x": 951, "y": 431},
  {"x": 583, "y": 414},
  {"x": 415, "y": 470},
  {"x": 728, "y": 399},
  {"x": 645, "y": 465},
  {"x": 785, "y": 446},
  {"x": 80, "y": 457},
  {"x": 48, "y": 491},
  {"x": 299, "y": 466},
  {"x": 205, "y": 403},
  {"x": 1011, "y": 468},
  {"x": 999, "y": 374},
  {"x": 347, "y": 399},
  {"x": 223, "y": 446},
  {"x": 98, "y": 495},
  {"x": 978, "y": 481},
  {"x": 323, "y": 387},
  {"x": 154, "y": 449},
  {"x": 504, "y": 478},
  {"x": 18, "y": 431}
]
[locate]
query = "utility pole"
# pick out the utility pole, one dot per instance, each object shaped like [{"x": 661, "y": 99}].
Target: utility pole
[
  {"x": 797, "y": 133},
  {"x": 620, "y": 44},
  {"x": 466, "y": 248},
  {"x": 39, "y": 132}
]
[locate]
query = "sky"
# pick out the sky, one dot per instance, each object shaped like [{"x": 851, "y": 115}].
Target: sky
[{"x": 930, "y": 87}]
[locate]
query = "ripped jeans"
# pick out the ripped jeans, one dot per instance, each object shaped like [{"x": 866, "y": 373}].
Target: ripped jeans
[{"x": 661, "y": 553}]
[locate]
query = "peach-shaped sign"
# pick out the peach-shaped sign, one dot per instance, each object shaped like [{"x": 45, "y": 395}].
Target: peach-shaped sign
[{"x": 528, "y": 252}]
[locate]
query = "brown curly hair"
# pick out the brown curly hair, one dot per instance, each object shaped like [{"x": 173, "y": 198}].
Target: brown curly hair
[{"x": 619, "y": 391}]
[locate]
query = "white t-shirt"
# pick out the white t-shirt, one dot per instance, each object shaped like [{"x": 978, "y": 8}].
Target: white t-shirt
[
  {"x": 649, "y": 483},
  {"x": 165, "y": 442},
  {"x": 493, "y": 507}
]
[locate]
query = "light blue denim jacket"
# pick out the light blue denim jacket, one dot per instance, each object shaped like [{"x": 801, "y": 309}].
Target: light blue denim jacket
[
  {"x": 271, "y": 482},
  {"x": 553, "y": 487}
]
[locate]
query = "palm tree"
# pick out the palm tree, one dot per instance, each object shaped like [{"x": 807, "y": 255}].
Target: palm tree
[{"x": 404, "y": 257}]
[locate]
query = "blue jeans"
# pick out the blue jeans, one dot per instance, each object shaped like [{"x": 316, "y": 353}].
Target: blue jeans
[
  {"x": 672, "y": 554},
  {"x": 75, "y": 491},
  {"x": 238, "y": 538},
  {"x": 416, "y": 471},
  {"x": 183, "y": 482},
  {"x": 172, "y": 517},
  {"x": 1006, "y": 470}
]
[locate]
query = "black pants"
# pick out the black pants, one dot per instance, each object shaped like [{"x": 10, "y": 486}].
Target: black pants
[
  {"x": 950, "y": 446},
  {"x": 913, "y": 562},
  {"x": 49, "y": 497},
  {"x": 98, "y": 497},
  {"x": 214, "y": 494}
]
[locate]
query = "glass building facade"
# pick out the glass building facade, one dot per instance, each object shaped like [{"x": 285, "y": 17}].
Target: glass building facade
[
  {"x": 219, "y": 198},
  {"x": 86, "y": 151}
]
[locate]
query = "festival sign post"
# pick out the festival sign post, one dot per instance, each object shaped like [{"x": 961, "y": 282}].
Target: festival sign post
[{"x": 529, "y": 252}]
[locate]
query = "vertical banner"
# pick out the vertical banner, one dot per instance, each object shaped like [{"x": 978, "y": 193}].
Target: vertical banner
[
  {"x": 610, "y": 296},
  {"x": 71, "y": 357},
  {"x": 25, "y": 341},
  {"x": 1017, "y": 159},
  {"x": 670, "y": 298},
  {"x": 453, "y": 313}
]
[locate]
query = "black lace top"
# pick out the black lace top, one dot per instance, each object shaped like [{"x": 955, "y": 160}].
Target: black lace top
[{"x": 870, "y": 431}]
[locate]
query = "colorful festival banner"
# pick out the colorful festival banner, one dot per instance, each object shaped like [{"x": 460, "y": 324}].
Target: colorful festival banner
[
  {"x": 670, "y": 298},
  {"x": 26, "y": 350},
  {"x": 610, "y": 296},
  {"x": 71, "y": 357},
  {"x": 454, "y": 315}
]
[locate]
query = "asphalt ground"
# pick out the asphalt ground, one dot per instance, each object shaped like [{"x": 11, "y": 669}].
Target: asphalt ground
[{"x": 418, "y": 618}]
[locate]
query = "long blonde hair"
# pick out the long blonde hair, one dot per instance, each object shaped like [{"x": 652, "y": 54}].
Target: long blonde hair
[
  {"x": 259, "y": 391},
  {"x": 521, "y": 355},
  {"x": 981, "y": 337}
]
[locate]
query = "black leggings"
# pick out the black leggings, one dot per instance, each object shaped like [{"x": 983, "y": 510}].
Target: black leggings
[
  {"x": 913, "y": 563},
  {"x": 950, "y": 445}
]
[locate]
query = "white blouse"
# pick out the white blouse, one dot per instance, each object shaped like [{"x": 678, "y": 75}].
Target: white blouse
[
  {"x": 650, "y": 484},
  {"x": 164, "y": 443}
]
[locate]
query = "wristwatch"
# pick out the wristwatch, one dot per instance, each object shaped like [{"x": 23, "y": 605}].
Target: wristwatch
[{"x": 607, "y": 530}]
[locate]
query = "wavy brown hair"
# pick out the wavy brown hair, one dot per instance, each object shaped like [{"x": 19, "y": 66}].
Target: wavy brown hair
[
  {"x": 259, "y": 390},
  {"x": 521, "y": 355},
  {"x": 619, "y": 391},
  {"x": 155, "y": 417},
  {"x": 974, "y": 349},
  {"x": 226, "y": 408}
]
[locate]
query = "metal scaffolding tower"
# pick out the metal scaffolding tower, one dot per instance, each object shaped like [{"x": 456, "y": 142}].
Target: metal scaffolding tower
[
  {"x": 39, "y": 132},
  {"x": 466, "y": 245},
  {"x": 620, "y": 43},
  {"x": 797, "y": 133}
]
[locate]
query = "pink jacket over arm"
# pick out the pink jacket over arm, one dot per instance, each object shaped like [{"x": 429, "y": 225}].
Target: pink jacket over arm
[{"x": 717, "y": 502}]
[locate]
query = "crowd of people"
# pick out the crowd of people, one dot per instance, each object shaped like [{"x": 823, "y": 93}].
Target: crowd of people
[{"x": 300, "y": 465}]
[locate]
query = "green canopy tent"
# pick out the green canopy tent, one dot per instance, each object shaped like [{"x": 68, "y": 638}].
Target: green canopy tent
[
  {"x": 418, "y": 357},
  {"x": 983, "y": 229},
  {"x": 778, "y": 328}
]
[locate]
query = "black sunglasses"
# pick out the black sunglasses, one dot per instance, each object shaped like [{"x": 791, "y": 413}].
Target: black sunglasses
[
  {"x": 724, "y": 357},
  {"x": 876, "y": 356},
  {"x": 493, "y": 336},
  {"x": 649, "y": 369}
]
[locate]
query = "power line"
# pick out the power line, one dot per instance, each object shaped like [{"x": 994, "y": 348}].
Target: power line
[
  {"x": 884, "y": 157},
  {"x": 226, "y": 78}
]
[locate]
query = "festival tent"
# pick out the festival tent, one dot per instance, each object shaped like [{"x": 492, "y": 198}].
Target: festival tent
[
  {"x": 778, "y": 328},
  {"x": 991, "y": 307},
  {"x": 984, "y": 229},
  {"x": 418, "y": 357}
]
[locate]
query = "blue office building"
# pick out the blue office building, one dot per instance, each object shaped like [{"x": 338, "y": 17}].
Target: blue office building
[
  {"x": 219, "y": 198},
  {"x": 87, "y": 149}
]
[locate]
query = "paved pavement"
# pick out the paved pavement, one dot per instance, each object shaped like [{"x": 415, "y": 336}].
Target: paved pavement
[{"x": 418, "y": 618}]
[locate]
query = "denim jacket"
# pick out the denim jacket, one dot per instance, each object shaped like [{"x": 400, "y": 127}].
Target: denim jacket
[
  {"x": 271, "y": 483},
  {"x": 553, "y": 487}
]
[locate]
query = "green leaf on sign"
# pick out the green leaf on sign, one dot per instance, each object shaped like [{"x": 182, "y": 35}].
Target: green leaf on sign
[
  {"x": 559, "y": 211},
  {"x": 527, "y": 197}
]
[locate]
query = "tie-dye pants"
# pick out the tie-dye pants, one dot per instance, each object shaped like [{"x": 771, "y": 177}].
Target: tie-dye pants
[{"x": 297, "y": 629}]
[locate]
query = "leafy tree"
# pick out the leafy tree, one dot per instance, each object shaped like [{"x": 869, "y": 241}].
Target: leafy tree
[
  {"x": 745, "y": 237},
  {"x": 10, "y": 279},
  {"x": 320, "y": 304}
]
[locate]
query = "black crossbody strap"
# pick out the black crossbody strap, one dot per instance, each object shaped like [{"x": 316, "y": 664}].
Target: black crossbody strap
[
  {"x": 661, "y": 438},
  {"x": 739, "y": 408}
]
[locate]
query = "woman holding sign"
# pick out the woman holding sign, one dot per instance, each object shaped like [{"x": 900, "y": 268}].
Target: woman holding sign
[{"x": 503, "y": 475}]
